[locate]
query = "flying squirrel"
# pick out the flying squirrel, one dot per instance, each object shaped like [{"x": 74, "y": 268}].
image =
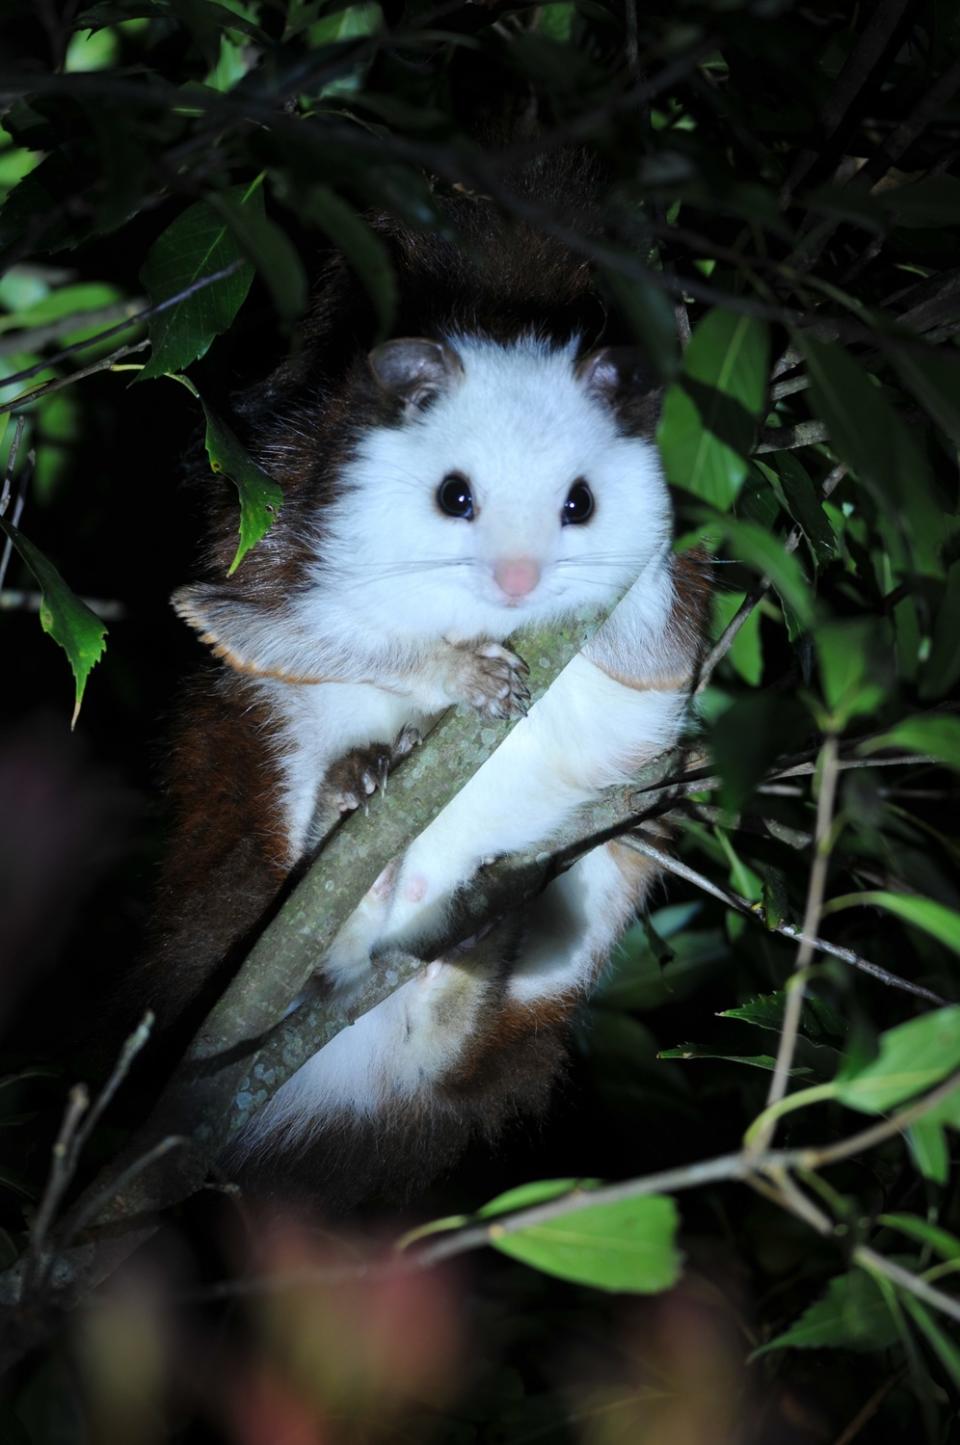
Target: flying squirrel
[{"x": 489, "y": 468}]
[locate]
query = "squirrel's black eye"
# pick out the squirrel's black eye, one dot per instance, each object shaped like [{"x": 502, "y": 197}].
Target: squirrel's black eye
[
  {"x": 579, "y": 504},
  {"x": 455, "y": 497}
]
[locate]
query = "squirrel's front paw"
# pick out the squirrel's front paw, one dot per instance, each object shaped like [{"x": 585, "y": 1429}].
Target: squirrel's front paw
[
  {"x": 490, "y": 678},
  {"x": 359, "y": 773}
]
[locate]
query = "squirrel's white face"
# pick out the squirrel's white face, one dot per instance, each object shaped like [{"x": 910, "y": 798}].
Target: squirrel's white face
[{"x": 507, "y": 495}]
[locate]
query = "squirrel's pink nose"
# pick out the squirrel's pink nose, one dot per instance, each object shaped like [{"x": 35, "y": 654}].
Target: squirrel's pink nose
[{"x": 517, "y": 577}]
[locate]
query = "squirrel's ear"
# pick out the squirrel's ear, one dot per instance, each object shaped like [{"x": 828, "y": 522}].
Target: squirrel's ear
[
  {"x": 620, "y": 378},
  {"x": 415, "y": 369},
  {"x": 250, "y": 637},
  {"x": 613, "y": 372}
]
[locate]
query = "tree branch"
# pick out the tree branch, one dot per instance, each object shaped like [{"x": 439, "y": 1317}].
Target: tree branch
[
  {"x": 770, "y": 1170},
  {"x": 202, "y": 1094}
]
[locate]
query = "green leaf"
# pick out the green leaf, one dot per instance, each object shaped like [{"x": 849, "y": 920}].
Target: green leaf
[
  {"x": 912, "y": 1057},
  {"x": 271, "y": 251},
  {"x": 818, "y": 1021},
  {"x": 934, "y": 918},
  {"x": 870, "y": 437},
  {"x": 65, "y": 301},
  {"x": 362, "y": 247},
  {"x": 756, "y": 1061},
  {"x": 260, "y": 496},
  {"x": 709, "y": 417},
  {"x": 855, "y": 665},
  {"x": 745, "y": 740},
  {"x": 799, "y": 497},
  {"x": 945, "y": 1349},
  {"x": 746, "y": 654},
  {"x": 937, "y": 735},
  {"x": 851, "y": 1315},
  {"x": 630, "y": 1245},
  {"x": 766, "y": 554},
  {"x": 63, "y": 615},
  {"x": 947, "y": 1112},
  {"x": 556, "y": 20},
  {"x": 939, "y": 1240},
  {"x": 525, "y": 1196},
  {"x": 928, "y": 1145},
  {"x": 199, "y": 243}
]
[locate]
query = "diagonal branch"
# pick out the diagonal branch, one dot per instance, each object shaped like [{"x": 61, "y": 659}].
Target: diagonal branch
[{"x": 197, "y": 1101}]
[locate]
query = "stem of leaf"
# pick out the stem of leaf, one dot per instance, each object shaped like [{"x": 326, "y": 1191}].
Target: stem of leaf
[{"x": 761, "y": 1128}]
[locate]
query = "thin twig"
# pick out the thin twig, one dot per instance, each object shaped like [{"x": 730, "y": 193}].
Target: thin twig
[
  {"x": 6, "y": 492},
  {"x": 58, "y": 1181},
  {"x": 791, "y": 1197},
  {"x": 789, "y": 387},
  {"x": 875, "y": 1263},
  {"x": 79, "y": 1121},
  {"x": 879, "y": 1133},
  {"x": 59, "y": 382},
  {"x": 823, "y": 839},
  {"x": 786, "y": 930},
  {"x": 131, "y": 1048},
  {"x": 789, "y": 438},
  {"x": 28, "y": 340},
  {"x": 13, "y": 342},
  {"x": 859, "y": 66},
  {"x": 743, "y": 613},
  {"x": 768, "y": 1172},
  {"x": 867, "y": 1411},
  {"x": 96, "y": 1200}
]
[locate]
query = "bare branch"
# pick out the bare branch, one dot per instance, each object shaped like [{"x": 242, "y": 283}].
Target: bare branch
[
  {"x": 875, "y": 1263},
  {"x": 131, "y": 1048},
  {"x": 59, "y": 382},
  {"x": 13, "y": 342},
  {"x": 786, "y": 930},
  {"x": 770, "y": 1171},
  {"x": 823, "y": 840},
  {"x": 870, "y": 1407},
  {"x": 6, "y": 493},
  {"x": 857, "y": 70},
  {"x": 789, "y": 438},
  {"x": 29, "y": 340},
  {"x": 61, "y": 1172}
]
